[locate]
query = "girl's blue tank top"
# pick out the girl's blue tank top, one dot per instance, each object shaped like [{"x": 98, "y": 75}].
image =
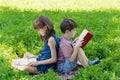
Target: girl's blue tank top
[{"x": 45, "y": 53}]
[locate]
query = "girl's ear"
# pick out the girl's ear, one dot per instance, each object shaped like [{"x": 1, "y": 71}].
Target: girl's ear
[{"x": 45, "y": 28}]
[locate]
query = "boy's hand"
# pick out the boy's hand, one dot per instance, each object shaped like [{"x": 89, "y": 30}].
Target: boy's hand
[
  {"x": 75, "y": 40},
  {"x": 78, "y": 43}
]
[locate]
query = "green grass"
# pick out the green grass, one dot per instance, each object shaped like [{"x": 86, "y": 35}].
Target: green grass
[{"x": 17, "y": 35}]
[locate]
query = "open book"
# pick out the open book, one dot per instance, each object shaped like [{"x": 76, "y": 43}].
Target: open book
[
  {"x": 22, "y": 61},
  {"x": 86, "y": 36}
]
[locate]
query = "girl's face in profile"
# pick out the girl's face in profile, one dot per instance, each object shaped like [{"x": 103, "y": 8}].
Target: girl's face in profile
[{"x": 42, "y": 31}]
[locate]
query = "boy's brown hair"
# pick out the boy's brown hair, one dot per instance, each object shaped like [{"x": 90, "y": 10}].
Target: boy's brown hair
[{"x": 67, "y": 24}]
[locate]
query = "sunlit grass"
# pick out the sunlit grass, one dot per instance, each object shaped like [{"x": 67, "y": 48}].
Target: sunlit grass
[
  {"x": 63, "y": 5},
  {"x": 7, "y": 51},
  {"x": 0, "y": 35},
  {"x": 101, "y": 17},
  {"x": 117, "y": 39}
]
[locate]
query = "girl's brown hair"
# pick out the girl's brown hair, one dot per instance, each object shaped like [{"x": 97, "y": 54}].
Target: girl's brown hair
[{"x": 41, "y": 22}]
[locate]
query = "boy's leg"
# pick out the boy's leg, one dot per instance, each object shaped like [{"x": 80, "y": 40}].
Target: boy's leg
[
  {"x": 73, "y": 56},
  {"x": 82, "y": 57}
]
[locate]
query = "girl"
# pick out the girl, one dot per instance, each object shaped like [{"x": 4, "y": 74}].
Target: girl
[{"x": 48, "y": 55}]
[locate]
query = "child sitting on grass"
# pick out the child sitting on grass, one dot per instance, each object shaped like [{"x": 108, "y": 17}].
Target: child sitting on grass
[
  {"x": 48, "y": 55},
  {"x": 70, "y": 51}
]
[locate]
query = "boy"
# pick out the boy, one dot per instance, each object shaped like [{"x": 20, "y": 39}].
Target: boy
[{"x": 70, "y": 51}]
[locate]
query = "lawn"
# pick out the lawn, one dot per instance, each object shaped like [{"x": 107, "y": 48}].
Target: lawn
[{"x": 101, "y": 17}]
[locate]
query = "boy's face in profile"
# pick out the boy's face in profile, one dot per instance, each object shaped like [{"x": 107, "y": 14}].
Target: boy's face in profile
[{"x": 72, "y": 32}]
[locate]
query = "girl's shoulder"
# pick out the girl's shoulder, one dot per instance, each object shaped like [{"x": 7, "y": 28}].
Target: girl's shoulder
[
  {"x": 54, "y": 38},
  {"x": 51, "y": 39}
]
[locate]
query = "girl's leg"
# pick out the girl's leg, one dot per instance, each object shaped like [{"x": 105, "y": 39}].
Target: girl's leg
[
  {"x": 29, "y": 69},
  {"x": 82, "y": 57},
  {"x": 28, "y": 55}
]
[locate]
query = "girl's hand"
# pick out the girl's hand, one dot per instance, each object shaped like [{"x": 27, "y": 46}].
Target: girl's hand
[{"x": 33, "y": 64}]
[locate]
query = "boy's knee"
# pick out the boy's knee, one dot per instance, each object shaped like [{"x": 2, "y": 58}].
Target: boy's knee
[{"x": 80, "y": 49}]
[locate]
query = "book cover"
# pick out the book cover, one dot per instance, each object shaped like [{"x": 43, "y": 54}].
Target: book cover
[{"x": 86, "y": 36}]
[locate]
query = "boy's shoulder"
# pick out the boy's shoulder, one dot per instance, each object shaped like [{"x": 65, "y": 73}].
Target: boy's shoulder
[{"x": 64, "y": 42}]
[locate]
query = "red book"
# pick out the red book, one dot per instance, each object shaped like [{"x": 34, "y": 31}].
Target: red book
[{"x": 86, "y": 36}]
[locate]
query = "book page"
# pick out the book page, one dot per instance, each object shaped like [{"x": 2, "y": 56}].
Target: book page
[
  {"x": 23, "y": 61},
  {"x": 85, "y": 36},
  {"x": 82, "y": 35}
]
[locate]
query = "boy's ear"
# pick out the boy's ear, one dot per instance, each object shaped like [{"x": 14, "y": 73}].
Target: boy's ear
[{"x": 67, "y": 31}]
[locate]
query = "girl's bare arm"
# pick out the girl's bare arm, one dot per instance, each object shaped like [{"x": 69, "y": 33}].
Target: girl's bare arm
[{"x": 52, "y": 44}]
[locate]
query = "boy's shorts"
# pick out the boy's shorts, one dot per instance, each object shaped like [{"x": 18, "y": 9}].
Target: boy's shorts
[{"x": 66, "y": 66}]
